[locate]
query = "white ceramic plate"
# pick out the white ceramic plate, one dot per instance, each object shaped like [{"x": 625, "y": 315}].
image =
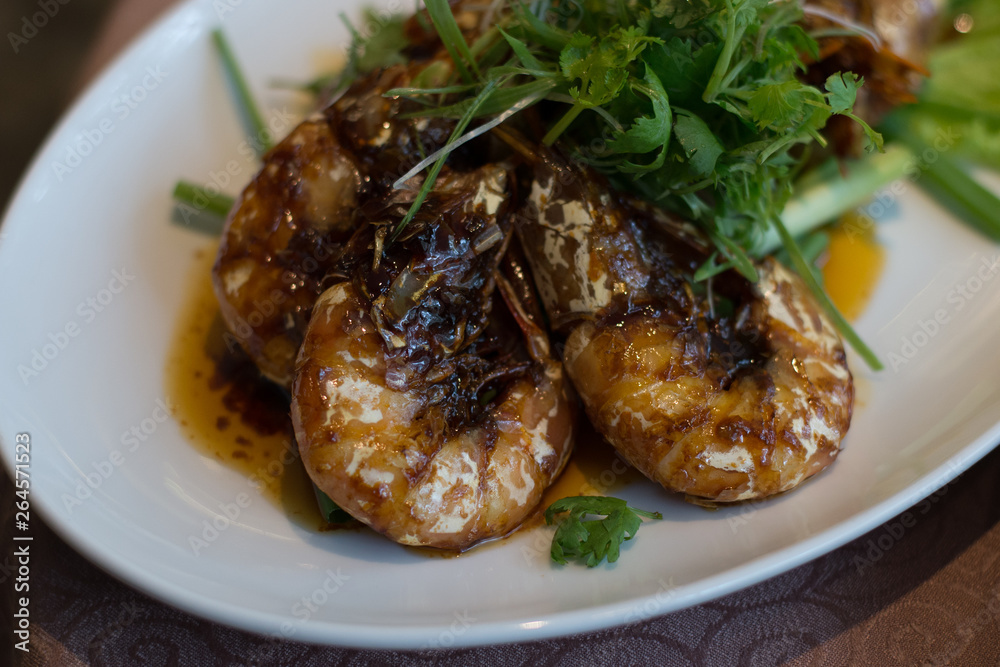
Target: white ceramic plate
[{"x": 96, "y": 202}]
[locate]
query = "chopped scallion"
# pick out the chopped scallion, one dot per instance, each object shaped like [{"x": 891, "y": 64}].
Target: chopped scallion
[
  {"x": 202, "y": 199},
  {"x": 248, "y": 108}
]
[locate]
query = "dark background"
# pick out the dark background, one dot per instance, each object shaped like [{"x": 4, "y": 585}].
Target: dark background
[{"x": 39, "y": 82}]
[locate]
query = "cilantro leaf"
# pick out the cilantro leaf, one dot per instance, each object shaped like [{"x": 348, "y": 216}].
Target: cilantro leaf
[
  {"x": 701, "y": 147},
  {"x": 629, "y": 167},
  {"x": 778, "y": 105},
  {"x": 842, "y": 90},
  {"x": 602, "y": 69},
  {"x": 745, "y": 11},
  {"x": 579, "y": 60},
  {"x": 593, "y": 540},
  {"x": 683, "y": 71},
  {"x": 648, "y": 134}
]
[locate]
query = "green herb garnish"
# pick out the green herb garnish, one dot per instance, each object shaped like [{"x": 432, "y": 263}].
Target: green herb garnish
[
  {"x": 452, "y": 38},
  {"x": 202, "y": 200},
  {"x": 215, "y": 203},
  {"x": 952, "y": 187},
  {"x": 245, "y": 102},
  {"x": 804, "y": 269},
  {"x": 593, "y": 540},
  {"x": 696, "y": 104}
]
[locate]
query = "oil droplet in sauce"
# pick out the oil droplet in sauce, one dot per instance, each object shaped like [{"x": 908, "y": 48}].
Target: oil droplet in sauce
[
  {"x": 854, "y": 264},
  {"x": 228, "y": 410}
]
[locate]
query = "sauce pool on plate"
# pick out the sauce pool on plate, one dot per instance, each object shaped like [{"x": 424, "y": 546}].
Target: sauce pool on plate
[{"x": 227, "y": 410}]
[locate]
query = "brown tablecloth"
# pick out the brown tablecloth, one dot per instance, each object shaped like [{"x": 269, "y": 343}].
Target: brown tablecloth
[{"x": 927, "y": 594}]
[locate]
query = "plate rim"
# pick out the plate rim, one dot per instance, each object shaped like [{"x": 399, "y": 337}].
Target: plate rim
[{"x": 543, "y": 626}]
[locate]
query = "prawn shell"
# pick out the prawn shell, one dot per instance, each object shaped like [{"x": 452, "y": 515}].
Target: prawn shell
[
  {"x": 280, "y": 239},
  {"x": 650, "y": 389},
  {"x": 379, "y": 452}
]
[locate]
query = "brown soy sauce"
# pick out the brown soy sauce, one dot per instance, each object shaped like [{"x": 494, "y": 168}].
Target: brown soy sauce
[{"x": 227, "y": 410}]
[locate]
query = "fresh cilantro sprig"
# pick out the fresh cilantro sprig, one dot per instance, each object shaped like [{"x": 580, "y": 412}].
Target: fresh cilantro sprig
[
  {"x": 842, "y": 91},
  {"x": 699, "y": 104},
  {"x": 593, "y": 540}
]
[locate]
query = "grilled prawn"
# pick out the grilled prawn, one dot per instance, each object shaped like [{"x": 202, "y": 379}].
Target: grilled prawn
[
  {"x": 287, "y": 229},
  {"x": 279, "y": 241},
  {"x": 723, "y": 408},
  {"x": 414, "y": 407}
]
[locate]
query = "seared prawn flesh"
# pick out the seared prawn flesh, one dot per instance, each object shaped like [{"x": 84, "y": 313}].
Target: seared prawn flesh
[
  {"x": 424, "y": 405},
  {"x": 738, "y": 393}
]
